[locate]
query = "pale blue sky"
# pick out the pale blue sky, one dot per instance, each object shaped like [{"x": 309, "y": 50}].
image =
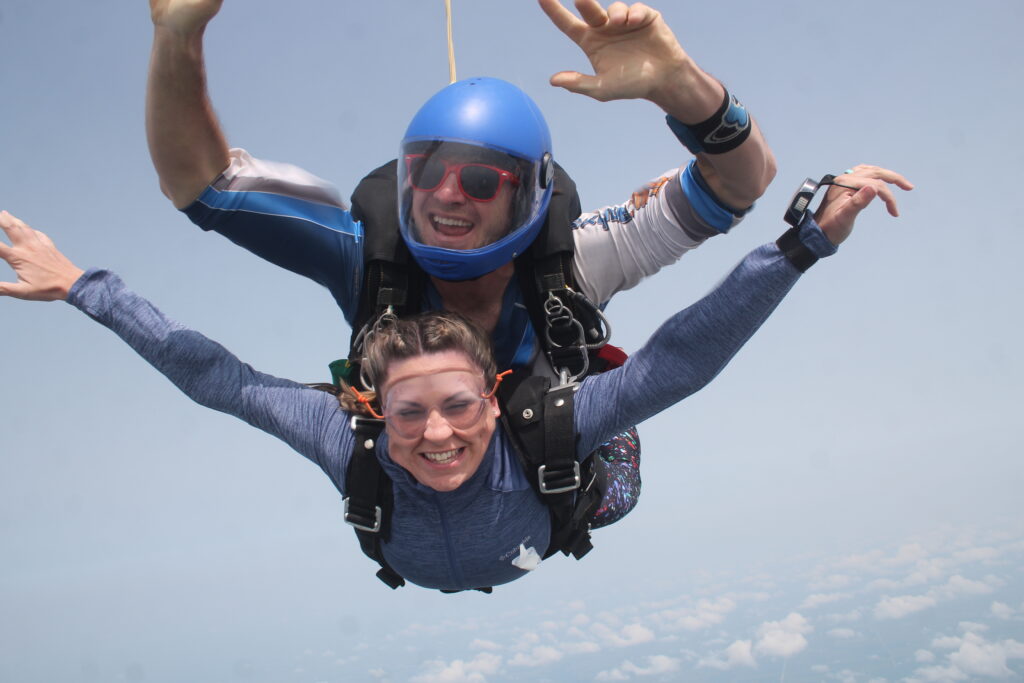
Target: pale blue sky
[{"x": 864, "y": 448}]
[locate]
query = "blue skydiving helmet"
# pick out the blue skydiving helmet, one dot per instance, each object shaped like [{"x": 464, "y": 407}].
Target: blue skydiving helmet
[{"x": 474, "y": 178}]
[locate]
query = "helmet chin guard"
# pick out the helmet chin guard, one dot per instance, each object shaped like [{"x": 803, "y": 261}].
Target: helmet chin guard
[{"x": 486, "y": 122}]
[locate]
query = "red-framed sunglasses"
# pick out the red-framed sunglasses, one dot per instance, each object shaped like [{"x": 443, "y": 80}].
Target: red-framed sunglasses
[{"x": 479, "y": 182}]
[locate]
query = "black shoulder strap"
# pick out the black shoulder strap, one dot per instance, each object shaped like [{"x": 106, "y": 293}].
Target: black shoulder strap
[
  {"x": 368, "y": 497},
  {"x": 391, "y": 277}
]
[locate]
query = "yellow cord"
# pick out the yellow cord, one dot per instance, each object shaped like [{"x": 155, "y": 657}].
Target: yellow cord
[{"x": 451, "y": 43}]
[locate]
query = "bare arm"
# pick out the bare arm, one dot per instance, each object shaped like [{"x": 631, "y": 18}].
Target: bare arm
[
  {"x": 186, "y": 143},
  {"x": 635, "y": 55}
]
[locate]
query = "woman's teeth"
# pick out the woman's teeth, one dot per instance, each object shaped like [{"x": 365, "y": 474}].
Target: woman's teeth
[{"x": 442, "y": 457}]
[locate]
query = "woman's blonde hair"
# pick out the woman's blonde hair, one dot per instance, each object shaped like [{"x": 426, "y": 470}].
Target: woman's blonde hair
[{"x": 399, "y": 339}]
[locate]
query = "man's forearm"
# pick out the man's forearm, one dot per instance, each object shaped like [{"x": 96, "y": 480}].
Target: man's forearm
[
  {"x": 737, "y": 177},
  {"x": 186, "y": 143}
]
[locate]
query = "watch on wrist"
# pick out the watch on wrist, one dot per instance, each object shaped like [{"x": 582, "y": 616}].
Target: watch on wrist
[
  {"x": 794, "y": 250},
  {"x": 802, "y": 198}
]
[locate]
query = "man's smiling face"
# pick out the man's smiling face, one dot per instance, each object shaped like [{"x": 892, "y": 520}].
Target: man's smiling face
[{"x": 446, "y": 217}]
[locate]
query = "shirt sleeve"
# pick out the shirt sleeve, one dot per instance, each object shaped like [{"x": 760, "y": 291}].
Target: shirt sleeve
[
  {"x": 692, "y": 346},
  {"x": 617, "y": 246},
  {"x": 308, "y": 420},
  {"x": 289, "y": 217}
]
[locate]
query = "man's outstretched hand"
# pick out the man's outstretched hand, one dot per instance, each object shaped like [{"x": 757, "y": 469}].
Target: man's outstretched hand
[{"x": 633, "y": 51}]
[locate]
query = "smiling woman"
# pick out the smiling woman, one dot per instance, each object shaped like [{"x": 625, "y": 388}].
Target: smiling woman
[{"x": 464, "y": 513}]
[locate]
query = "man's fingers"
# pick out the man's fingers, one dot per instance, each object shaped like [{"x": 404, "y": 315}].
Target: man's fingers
[
  {"x": 592, "y": 12},
  {"x": 12, "y": 227},
  {"x": 564, "y": 20},
  {"x": 618, "y": 14},
  {"x": 640, "y": 15},
  {"x": 44, "y": 238}
]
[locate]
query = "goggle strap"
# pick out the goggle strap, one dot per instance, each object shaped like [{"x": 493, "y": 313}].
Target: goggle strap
[
  {"x": 497, "y": 383},
  {"x": 366, "y": 402}
]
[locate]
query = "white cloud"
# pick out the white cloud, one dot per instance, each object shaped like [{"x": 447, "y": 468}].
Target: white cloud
[
  {"x": 740, "y": 653},
  {"x": 783, "y": 638},
  {"x": 973, "y": 656},
  {"x": 630, "y": 634},
  {"x": 656, "y": 665},
  {"x": 844, "y": 633},
  {"x": 580, "y": 620},
  {"x": 528, "y": 638},
  {"x": 925, "y": 571},
  {"x": 704, "y": 614},
  {"x": 475, "y": 670},
  {"x": 958, "y": 585},
  {"x": 1001, "y": 611},
  {"x": 972, "y": 627},
  {"x": 924, "y": 656},
  {"x": 538, "y": 656},
  {"x": 818, "y": 599},
  {"x": 479, "y": 644},
  {"x": 940, "y": 674},
  {"x": 901, "y": 606},
  {"x": 976, "y": 656},
  {"x": 947, "y": 642}
]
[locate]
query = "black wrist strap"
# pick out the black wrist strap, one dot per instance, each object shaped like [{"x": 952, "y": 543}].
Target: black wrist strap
[{"x": 796, "y": 251}]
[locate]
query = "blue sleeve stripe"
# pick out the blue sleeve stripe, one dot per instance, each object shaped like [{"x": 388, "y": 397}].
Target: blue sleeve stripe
[
  {"x": 703, "y": 201},
  {"x": 330, "y": 217}
]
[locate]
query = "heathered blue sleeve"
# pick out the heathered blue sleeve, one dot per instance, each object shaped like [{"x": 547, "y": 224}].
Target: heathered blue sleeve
[
  {"x": 308, "y": 420},
  {"x": 692, "y": 346}
]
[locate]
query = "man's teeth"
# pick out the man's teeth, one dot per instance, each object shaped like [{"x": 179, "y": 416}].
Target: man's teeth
[
  {"x": 443, "y": 456},
  {"x": 453, "y": 222}
]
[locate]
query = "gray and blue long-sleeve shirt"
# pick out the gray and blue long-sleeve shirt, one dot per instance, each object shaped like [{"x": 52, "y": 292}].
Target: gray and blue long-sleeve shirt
[{"x": 468, "y": 537}]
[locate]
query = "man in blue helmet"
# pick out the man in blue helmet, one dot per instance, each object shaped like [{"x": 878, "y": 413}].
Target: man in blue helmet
[{"x": 300, "y": 222}]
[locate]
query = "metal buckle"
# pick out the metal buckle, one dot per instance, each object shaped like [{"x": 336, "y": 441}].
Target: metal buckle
[
  {"x": 349, "y": 518},
  {"x": 358, "y": 421},
  {"x": 542, "y": 485}
]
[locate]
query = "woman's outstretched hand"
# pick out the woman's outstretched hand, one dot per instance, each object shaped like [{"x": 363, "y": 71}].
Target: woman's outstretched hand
[
  {"x": 853, "y": 191},
  {"x": 44, "y": 274}
]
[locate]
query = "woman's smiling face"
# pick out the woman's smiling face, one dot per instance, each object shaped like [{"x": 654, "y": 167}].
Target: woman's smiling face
[{"x": 423, "y": 397}]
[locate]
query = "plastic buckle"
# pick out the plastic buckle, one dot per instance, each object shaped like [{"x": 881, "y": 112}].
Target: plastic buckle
[
  {"x": 361, "y": 522},
  {"x": 557, "y": 477}
]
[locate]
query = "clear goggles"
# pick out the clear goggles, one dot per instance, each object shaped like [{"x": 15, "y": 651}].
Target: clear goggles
[{"x": 455, "y": 396}]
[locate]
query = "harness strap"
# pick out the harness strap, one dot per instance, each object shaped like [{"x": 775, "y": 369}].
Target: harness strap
[{"x": 369, "y": 498}]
